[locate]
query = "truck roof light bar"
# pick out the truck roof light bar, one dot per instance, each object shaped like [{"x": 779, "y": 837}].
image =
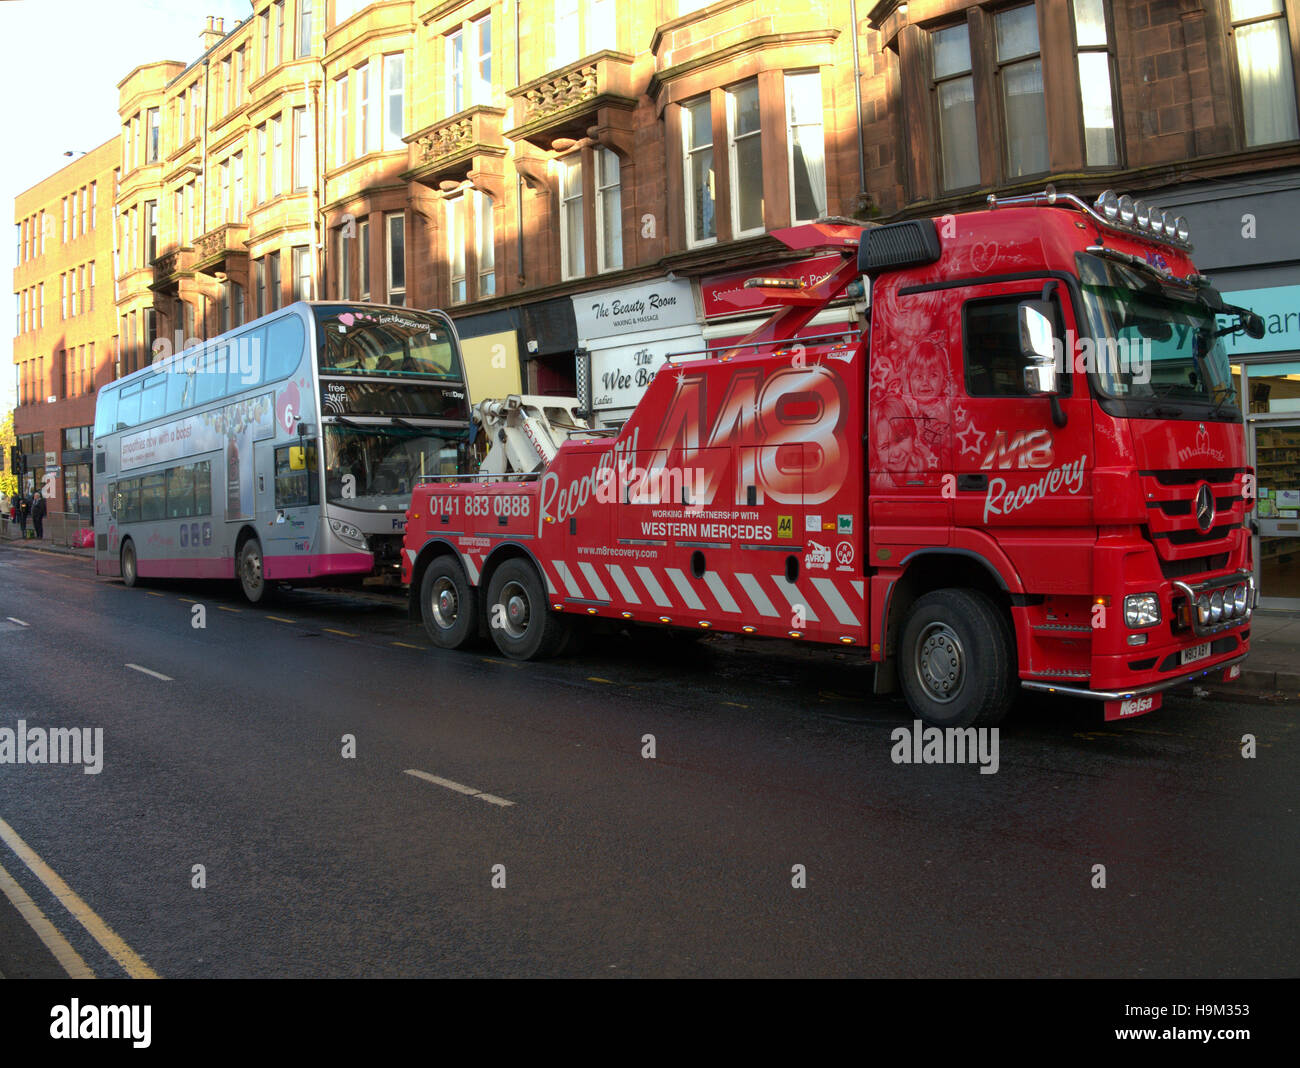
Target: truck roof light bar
[
  {"x": 1139, "y": 264},
  {"x": 905, "y": 244},
  {"x": 1114, "y": 211}
]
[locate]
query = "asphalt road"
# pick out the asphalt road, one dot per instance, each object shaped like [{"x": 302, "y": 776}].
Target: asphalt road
[{"x": 767, "y": 757}]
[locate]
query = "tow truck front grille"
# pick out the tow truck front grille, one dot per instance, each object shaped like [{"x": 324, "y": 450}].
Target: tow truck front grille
[
  {"x": 1195, "y": 565},
  {"x": 1172, "y": 526}
]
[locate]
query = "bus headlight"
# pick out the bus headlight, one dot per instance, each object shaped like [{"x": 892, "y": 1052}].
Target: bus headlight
[
  {"x": 349, "y": 533},
  {"x": 1141, "y": 610}
]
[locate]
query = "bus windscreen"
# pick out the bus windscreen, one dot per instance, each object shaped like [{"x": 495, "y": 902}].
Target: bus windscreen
[{"x": 385, "y": 341}]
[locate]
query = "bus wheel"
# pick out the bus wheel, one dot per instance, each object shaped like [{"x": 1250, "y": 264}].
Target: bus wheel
[
  {"x": 248, "y": 567},
  {"x": 522, "y": 623},
  {"x": 447, "y": 604},
  {"x": 130, "y": 572},
  {"x": 956, "y": 661}
]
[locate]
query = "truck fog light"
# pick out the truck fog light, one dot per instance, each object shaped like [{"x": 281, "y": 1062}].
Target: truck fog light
[
  {"x": 1239, "y": 598},
  {"x": 1137, "y": 639},
  {"x": 1141, "y": 610},
  {"x": 1203, "y": 609},
  {"x": 1216, "y": 606}
]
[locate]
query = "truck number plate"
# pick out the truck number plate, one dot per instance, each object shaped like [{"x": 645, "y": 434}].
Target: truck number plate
[{"x": 1196, "y": 652}]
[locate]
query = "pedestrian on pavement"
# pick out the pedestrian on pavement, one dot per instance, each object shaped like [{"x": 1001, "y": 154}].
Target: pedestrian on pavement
[
  {"x": 22, "y": 515},
  {"x": 38, "y": 514}
]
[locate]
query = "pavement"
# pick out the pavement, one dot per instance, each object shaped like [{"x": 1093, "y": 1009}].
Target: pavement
[{"x": 1271, "y": 672}]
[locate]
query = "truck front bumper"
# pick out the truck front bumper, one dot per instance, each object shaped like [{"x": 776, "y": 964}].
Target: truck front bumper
[{"x": 1137, "y": 691}]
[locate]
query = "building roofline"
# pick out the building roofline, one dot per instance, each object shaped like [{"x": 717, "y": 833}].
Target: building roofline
[
  {"x": 145, "y": 66},
  {"x": 242, "y": 24},
  {"x": 71, "y": 163}
]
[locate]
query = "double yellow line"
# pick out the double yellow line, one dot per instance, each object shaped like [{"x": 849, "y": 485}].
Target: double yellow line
[{"x": 101, "y": 932}]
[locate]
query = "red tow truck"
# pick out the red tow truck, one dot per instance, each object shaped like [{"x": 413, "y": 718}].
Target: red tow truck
[{"x": 1028, "y": 471}]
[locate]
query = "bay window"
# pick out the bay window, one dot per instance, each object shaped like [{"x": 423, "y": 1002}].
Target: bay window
[
  {"x": 954, "y": 92},
  {"x": 1262, "y": 47},
  {"x": 745, "y": 145},
  {"x": 573, "y": 256},
  {"x": 394, "y": 102},
  {"x": 580, "y": 28},
  {"x": 363, "y": 259},
  {"x": 609, "y": 211},
  {"x": 1091, "y": 39},
  {"x": 469, "y": 64},
  {"x": 341, "y": 125},
  {"x": 395, "y": 254},
  {"x": 1020, "y": 75},
  {"x": 302, "y": 276},
  {"x": 697, "y": 139},
  {"x": 301, "y": 150},
  {"x": 304, "y": 28},
  {"x": 806, "y": 146}
]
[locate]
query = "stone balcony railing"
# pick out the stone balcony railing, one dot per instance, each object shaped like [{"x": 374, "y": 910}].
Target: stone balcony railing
[
  {"x": 171, "y": 264},
  {"x": 447, "y": 148},
  {"x": 562, "y": 104},
  {"x": 213, "y": 248}
]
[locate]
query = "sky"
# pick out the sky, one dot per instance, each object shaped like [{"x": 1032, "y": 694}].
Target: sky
[{"x": 61, "y": 62}]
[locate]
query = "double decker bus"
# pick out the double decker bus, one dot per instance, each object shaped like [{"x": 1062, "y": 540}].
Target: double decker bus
[{"x": 282, "y": 452}]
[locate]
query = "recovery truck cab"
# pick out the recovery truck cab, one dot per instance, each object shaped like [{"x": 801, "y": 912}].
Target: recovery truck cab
[{"x": 1029, "y": 472}]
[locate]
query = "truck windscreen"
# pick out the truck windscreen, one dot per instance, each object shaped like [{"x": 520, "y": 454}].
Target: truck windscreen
[{"x": 1153, "y": 342}]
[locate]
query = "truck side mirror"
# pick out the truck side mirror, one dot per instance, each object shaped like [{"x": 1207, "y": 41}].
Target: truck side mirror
[{"x": 1037, "y": 345}]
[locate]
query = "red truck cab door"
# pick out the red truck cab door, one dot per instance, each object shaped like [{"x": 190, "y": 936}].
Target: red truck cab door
[{"x": 1018, "y": 468}]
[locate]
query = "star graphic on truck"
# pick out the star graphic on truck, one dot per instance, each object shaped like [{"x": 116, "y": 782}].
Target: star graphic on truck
[{"x": 971, "y": 439}]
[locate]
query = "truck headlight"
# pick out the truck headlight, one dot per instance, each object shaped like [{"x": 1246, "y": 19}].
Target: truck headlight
[
  {"x": 1203, "y": 609},
  {"x": 1141, "y": 610},
  {"x": 1240, "y": 596},
  {"x": 349, "y": 533},
  {"x": 1216, "y": 606}
]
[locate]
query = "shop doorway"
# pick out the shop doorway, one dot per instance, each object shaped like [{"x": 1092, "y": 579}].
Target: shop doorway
[{"x": 1273, "y": 438}]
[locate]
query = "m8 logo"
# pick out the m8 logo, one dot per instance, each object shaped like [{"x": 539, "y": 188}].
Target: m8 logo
[{"x": 787, "y": 432}]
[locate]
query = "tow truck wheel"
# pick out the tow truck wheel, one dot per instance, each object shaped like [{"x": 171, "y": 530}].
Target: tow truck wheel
[
  {"x": 522, "y": 623},
  {"x": 248, "y": 567},
  {"x": 956, "y": 660},
  {"x": 447, "y": 604}
]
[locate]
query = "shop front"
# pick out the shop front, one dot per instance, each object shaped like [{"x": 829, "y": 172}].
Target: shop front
[
  {"x": 528, "y": 348},
  {"x": 1243, "y": 244},
  {"x": 628, "y": 333},
  {"x": 1268, "y": 376}
]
